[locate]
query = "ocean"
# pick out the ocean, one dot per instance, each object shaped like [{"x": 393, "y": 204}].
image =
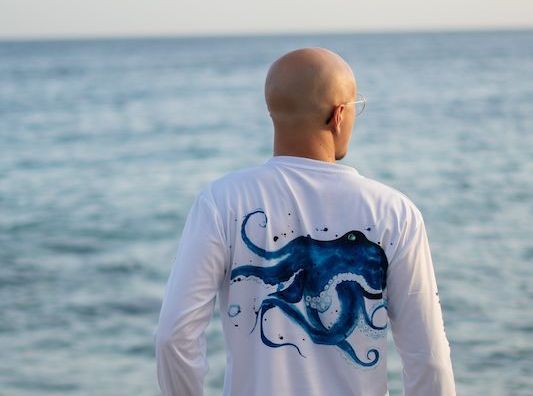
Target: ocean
[{"x": 104, "y": 144}]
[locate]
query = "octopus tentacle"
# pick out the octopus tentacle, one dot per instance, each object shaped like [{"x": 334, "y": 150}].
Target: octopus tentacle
[
  {"x": 319, "y": 336},
  {"x": 369, "y": 319},
  {"x": 294, "y": 292},
  {"x": 347, "y": 348},
  {"x": 253, "y": 247},
  {"x": 266, "y": 306},
  {"x": 272, "y": 275},
  {"x": 314, "y": 319}
]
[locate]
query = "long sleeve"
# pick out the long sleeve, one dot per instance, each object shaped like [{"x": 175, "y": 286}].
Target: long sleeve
[
  {"x": 188, "y": 303},
  {"x": 416, "y": 317}
]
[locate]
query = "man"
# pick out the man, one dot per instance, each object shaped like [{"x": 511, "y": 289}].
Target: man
[{"x": 312, "y": 262}]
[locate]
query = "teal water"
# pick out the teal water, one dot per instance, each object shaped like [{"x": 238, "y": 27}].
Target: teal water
[{"x": 104, "y": 144}]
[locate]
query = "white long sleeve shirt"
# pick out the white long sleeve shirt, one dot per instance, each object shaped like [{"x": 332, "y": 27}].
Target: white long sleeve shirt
[{"x": 313, "y": 263}]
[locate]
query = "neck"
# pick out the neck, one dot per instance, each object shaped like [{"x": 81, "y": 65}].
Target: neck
[{"x": 317, "y": 145}]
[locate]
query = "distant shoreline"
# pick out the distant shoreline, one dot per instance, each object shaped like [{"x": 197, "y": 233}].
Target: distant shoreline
[{"x": 255, "y": 35}]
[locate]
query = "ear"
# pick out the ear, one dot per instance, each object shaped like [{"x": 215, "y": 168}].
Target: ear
[{"x": 335, "y": 120}]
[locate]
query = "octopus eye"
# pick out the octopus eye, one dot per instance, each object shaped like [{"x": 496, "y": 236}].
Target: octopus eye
[{"x": 351, "y": 237}]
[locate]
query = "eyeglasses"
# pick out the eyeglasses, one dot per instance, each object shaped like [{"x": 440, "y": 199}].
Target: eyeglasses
[
  {"x": 360, "y": 100},
  {"x": 360, "y": 104}
]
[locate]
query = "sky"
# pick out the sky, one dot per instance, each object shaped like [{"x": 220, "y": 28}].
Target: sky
[{"x": 96, "y": 18}]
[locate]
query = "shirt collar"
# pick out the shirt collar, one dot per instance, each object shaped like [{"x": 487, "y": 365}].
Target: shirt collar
[{"x": 310, "y": 163}]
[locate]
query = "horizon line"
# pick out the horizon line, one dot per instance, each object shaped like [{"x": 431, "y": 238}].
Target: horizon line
[{"x": 237, "y": 34}]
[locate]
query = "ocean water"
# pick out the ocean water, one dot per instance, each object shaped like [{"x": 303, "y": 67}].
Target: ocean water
[{"x": 104, "y": 144}]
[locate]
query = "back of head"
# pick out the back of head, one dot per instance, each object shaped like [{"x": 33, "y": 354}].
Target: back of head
[{"x": 303, "y": 85}]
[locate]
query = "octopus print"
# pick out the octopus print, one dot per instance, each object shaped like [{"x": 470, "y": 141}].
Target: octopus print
[{"x": 309, "y": 275}]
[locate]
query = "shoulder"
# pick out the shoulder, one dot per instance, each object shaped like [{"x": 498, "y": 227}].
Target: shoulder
[
  {"x": 234, "y": 181},
  {"x": 392, "y": 200}
]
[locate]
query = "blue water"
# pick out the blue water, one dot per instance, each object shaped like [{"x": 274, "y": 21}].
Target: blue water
[{"x": 105, "y": 143}]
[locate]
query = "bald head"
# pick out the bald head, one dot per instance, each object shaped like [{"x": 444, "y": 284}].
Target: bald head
[{"x": 303, "y": 85}]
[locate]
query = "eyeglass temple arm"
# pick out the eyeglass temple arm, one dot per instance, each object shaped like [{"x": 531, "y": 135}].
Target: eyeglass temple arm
[{"x": 355, "y": 101}]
